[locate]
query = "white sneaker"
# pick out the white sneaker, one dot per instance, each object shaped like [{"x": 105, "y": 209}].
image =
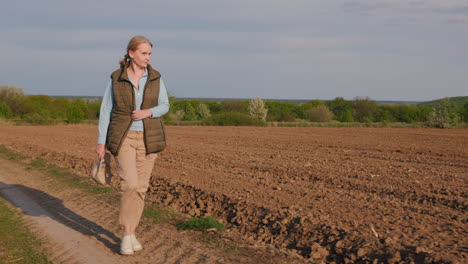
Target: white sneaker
[
  {"x": 126, "y": 247},
  {"x": 135, "y": 244}
]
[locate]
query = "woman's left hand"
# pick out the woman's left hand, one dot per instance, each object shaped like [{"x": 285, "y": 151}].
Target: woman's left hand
[{"x": 141, "y": 114}]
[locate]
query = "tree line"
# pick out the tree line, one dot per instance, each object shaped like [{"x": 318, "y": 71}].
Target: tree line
[
  {"x": 361, "y": 110},
  {"x": 42, "y": 109}
]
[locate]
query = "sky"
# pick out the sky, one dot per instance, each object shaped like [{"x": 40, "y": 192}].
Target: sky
[{"x": 402, "y": 50}]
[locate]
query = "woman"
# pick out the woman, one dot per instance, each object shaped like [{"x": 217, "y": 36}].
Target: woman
[{"x": 130, "y": 127}]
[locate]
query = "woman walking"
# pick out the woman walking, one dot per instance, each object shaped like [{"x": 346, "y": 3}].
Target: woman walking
[{"x": 131, "y": 128}]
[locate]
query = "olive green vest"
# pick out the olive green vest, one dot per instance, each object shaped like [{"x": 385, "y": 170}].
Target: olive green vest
[{"x": 124, "y": 104}]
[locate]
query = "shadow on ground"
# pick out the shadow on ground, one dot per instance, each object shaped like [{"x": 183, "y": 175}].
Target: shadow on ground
[{"x": 37, "y": 203}]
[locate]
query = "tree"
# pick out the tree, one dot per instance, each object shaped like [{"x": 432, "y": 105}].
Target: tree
[
  {"x": 188, "y": 108},
  {"x": 233, "y": 106},
  {"x": 234, "y": 119},
  {"x": 59, "y": 108},
  {"x": 37, "y": 109},
  {"x": 364, "y": 109},
  {"x": 75, "y": 113},
  {"x": 14, "y": 97},
  {"x": 203, "y": 112},
  {"x": 8, "y": 93},
  {"x": 442, "y": 117},
  {"x": 93, "y": 110},
  {"x": 424, "y": 112},
  {"x": 214, "y": 107},
  {"x": 5, "y": 111},
  {"x": 179, "y": 115},
  {"x": 257, "y": 109},
  {"x": 465, "y": 113},
  {"x": 304, "y": 108},
  {"x": 280, "y": 111},
  {"x": 320, "y": 113},
  {"x": 346, "y": 116},
  {"x": 342, "y": 109},
  {"x": 406, "y": 113},
  {"x": 41, "y": 116},
  {"x": 385, "y": 113},
  {"x": 190, "y": 113}
]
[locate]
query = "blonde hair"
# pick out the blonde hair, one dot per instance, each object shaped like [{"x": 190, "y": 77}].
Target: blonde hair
[{"x": 133, "y": 45}]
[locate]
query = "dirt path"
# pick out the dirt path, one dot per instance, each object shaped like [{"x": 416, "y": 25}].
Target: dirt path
[
  {"x": 49, "y": 216},
  {"x": 67, "y": 245},
  {"x": 81, "y": 228}
]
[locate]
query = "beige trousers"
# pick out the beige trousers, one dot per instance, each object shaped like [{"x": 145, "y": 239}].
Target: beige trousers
[{"x": 134, "y": 168}]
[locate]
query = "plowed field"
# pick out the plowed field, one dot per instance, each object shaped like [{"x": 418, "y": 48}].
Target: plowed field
[{"x": 329, "y": 194}]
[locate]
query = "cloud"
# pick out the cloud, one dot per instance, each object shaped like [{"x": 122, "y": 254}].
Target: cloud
[
  {"x": 386, "y": 49},
  {"x": 409, "y": 12}
]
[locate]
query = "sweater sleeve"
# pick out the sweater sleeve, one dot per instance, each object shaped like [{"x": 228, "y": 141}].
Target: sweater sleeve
[
  {"x": 163, "y": 102},
  {"x": 105, "y": 113}
]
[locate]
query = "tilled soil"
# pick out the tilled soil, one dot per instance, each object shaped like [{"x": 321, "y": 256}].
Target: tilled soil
[
  {"x": 81, "y": 228},
  {"x": 339, "y": 195}
]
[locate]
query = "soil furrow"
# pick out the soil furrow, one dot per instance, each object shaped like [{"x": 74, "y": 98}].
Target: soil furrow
[
  {"x": 322, "y": 192},
  {"x": 75, "y": 236}
]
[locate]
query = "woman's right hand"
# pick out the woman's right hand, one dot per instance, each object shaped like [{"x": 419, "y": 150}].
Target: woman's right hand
[{"x": 101, "y": 151}]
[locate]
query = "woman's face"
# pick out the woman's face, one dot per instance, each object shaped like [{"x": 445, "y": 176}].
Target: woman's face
[{"x": 141, "y": 56}]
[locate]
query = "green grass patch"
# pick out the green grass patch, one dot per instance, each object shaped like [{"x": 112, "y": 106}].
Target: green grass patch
[
  {"x": 207, "y": 240},
  {"x": 3, "y": 149},
  {"x": 75, "y": 181},
  {"x": 61, "y": 174},
  {"x": 17, "y": 243},
  {"x": 69, "y": 178},
  {"x": 202, "y": 223},
  {"x": 10, "y": 155},
  {"x": 38, "y": 163},
  {"x": 158, "y": 215}
]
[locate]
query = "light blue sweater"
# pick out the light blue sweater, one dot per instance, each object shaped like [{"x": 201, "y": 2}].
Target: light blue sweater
[{"x": 108, "y": 103}]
